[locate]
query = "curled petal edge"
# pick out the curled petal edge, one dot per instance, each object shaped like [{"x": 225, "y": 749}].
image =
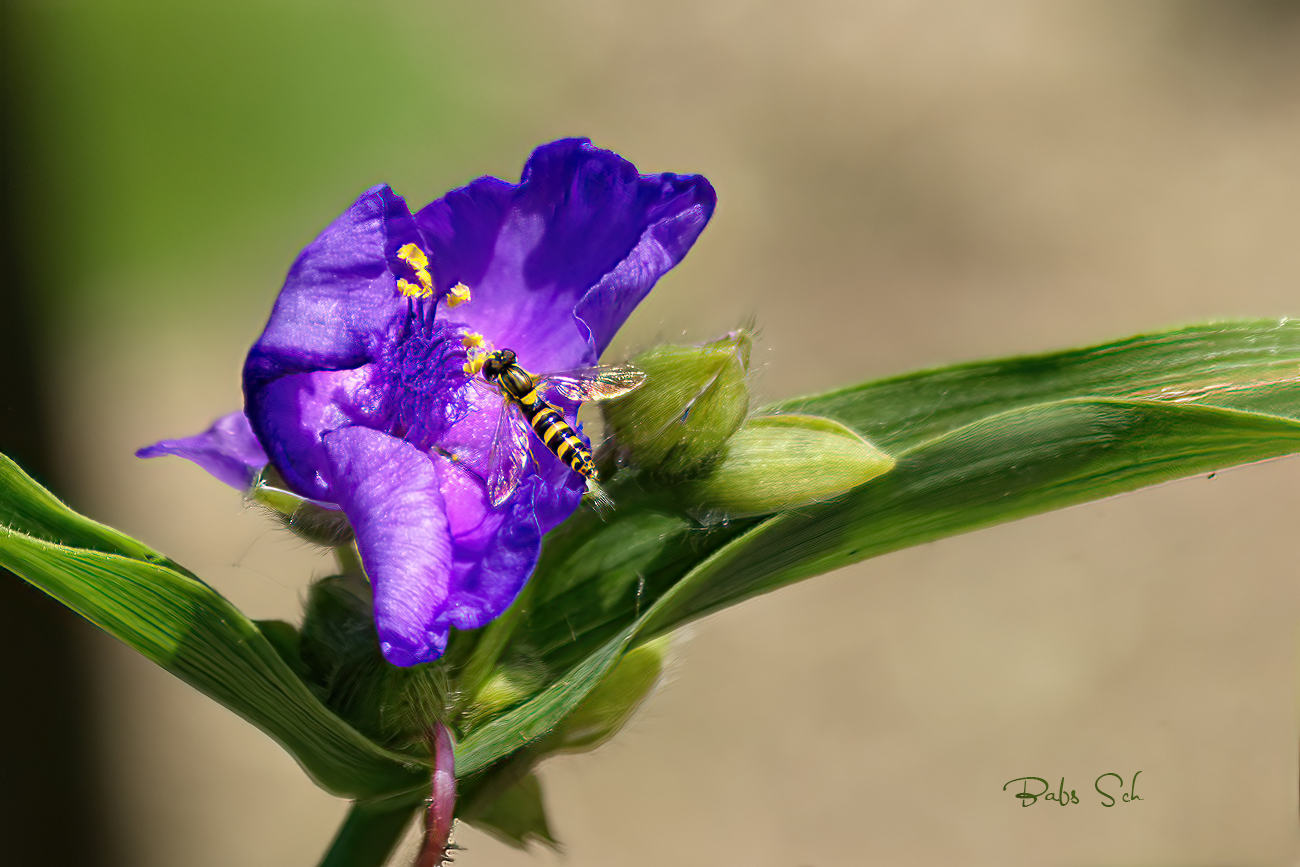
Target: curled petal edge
[{"x": 228, "y": 450}]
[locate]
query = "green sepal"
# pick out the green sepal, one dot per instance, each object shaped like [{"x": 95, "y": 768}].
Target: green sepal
[
  {"x": 780, "y": 462},
  {"x": 693, "y": 400},
  {"x": 517, "y": 816},
  {"x": 337, "y": 628},
  {"x": 508, "y": 685}
]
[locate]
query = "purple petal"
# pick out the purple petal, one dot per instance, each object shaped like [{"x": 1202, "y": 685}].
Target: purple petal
[
  {"x": 389, "y": 491},
  {"x": 461, "y": 229},
  {"x": 494, "y": 550},
  {"x": 297, "y": 411},
  {"x": 340, "y": 302},
  {"x": 227, "y": 450},
  {"x": 663, "y": 244},
  {"x": 581, "y": 218},
  {"x": 559, "y": 495}
]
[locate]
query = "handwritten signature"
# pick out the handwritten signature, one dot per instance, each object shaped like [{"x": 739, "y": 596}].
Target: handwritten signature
[{"x": 1034, "y": 788}]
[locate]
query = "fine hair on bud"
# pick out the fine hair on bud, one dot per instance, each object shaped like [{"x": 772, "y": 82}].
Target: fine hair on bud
[{"x": 694, "y": 399}]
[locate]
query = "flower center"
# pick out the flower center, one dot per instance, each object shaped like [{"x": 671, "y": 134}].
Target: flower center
[
  {"x": 425, "y": 362},
  {"x": 426, "y": 373}
]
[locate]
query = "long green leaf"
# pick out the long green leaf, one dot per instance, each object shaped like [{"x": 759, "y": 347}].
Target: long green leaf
[
  {"x": 192, "y": 631},
  {"x": 536, "y": 718},
  {"x": 1019, "y": 463},
  {"x": 1250, "y": 365},
  {"x": 30, "y": 509}
]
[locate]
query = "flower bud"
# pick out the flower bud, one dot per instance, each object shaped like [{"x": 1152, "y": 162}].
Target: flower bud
[
  {"x": 609, "y": 706},
  {"x": 694, "y": 398},
  {"x": 307, "y": 519},
  {"x": 781, "y": 462},
  {"x": 505, "y": 688}
]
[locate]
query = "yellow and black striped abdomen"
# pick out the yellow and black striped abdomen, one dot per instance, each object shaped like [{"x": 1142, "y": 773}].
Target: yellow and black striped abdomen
[{"x": 556, "y": 434}]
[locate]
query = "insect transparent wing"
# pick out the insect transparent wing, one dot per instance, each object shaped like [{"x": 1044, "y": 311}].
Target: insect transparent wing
[
  {"x": 593, "y": 383},
  {"x": 509, "y": 455},
  {"x": 482, "y": 386}
]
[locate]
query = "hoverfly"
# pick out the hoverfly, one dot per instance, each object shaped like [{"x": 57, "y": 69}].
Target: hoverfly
[{"x": 525, "y": 407}]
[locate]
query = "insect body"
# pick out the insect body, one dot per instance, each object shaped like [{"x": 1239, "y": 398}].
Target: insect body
[{"x": 523, "y": 393}]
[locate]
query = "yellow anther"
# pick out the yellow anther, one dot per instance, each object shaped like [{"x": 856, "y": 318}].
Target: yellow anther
[
  {"x": 410, "y": 290},
  {"x": 412, "y": 255},
  {"x": 458, "y": 295},
  {"x": 476, "y": 347}
]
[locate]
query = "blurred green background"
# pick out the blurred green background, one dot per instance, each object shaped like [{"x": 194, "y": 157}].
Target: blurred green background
[{"x": 900, "y": 185}]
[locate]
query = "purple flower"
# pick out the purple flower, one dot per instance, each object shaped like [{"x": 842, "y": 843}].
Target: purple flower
[{"x": 358, "y": 390}]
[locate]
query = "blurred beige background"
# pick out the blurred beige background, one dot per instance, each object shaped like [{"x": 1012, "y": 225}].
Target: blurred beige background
[{"x": 900, "y": 185}]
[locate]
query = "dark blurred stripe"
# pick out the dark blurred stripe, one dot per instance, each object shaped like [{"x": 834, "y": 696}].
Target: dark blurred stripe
[{"x": 51, "y": 797}]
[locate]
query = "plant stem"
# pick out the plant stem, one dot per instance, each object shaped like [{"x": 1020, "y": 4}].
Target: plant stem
[
  {"x": 370, "y": 833},
  {"x": 440, "y": 815}
]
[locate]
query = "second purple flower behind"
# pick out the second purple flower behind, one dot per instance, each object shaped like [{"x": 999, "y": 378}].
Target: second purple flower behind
[{"x": 359, "y": 387}]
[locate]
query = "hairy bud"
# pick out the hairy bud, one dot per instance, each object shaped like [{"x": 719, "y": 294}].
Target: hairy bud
[
  {"x": 694, "y": 399},
  {"x": 780, "y": 462}
]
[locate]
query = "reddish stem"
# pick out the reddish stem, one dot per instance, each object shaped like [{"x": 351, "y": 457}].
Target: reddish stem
[{"x": 441, "y": 812}]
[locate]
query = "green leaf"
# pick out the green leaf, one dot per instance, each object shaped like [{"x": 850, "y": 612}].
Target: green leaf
[
  {"x": 28, "y": 508},
  {"x": 1019, "y": 463},
  {"x": 287, "y": 641},
  {"x": 595, "y": 577},
  {"x": 1250, "y": 365},
  {"x": 535, "y": 719},
  {"x": 192, "y": 631}
]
